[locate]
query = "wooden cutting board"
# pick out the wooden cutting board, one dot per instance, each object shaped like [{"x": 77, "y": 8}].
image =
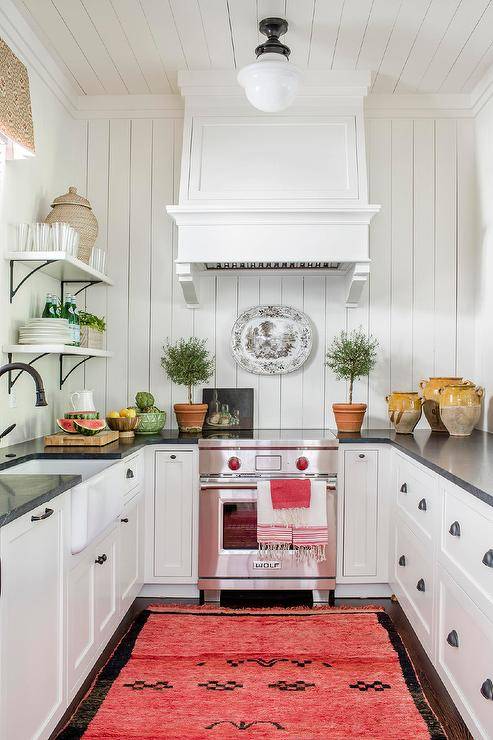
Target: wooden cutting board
[{"x": 80, "y": 440}]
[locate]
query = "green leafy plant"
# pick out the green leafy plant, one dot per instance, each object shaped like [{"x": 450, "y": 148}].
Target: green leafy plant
[
  {"x": 94, "y": 322},
  {"x": 352, "y": 355},
  {"x": 188, "y": 362}
]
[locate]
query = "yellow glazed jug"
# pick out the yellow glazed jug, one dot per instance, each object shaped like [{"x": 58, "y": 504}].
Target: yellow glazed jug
[
  {"x": 431, "y": 394},
  {"x": 404, "y": 410},
  {"x": 460, "y": 408}
]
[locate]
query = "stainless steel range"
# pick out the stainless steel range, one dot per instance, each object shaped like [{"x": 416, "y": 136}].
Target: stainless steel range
[{"x": 228, "y": 549}]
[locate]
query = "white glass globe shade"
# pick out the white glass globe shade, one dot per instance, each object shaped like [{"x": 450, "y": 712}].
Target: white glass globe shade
[{"x": 270, "y": 83}]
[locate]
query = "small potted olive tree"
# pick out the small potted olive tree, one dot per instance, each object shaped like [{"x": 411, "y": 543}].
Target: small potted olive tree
[
  {"x": 188, "y": 362},
  {"x": 351, "y": 355}
]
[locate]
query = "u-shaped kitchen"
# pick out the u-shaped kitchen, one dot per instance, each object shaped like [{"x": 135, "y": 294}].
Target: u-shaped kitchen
[{"x": 82, "y": 534}]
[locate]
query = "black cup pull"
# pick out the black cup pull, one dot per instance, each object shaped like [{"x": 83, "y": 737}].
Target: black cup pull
[
  {"x": 101, "y": 559},
  {"x": 173, "y": 457},
  {"x": 488, "y": 558},
  {"x": 421, "y": 585},
  {"x": 404, "y": 488},
  {"x": 453, "y": 639},
  {"x": 130, "y": 473},
  {"x": 455, "y": 529},
  {"x": 422, "y": 505},
  {"x": 361, "y": 455},
  {"x": 487, "y": 689},
  {"x": 124, "y": 520},
  {"x": 47, "y": 513},
  {"x": 402, "y": 560}
]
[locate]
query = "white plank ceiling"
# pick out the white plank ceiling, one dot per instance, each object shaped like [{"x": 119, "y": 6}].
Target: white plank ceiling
[{"x": 137, "y": 46}]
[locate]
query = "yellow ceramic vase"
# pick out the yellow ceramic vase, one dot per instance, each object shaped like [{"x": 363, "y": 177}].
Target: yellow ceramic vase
[
  {"x": 460, "y": 408},
  {"x": 431, "y": 399},
  {"x": 404, "y": 410}
]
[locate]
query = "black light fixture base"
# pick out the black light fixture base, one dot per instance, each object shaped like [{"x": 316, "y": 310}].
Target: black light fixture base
[{"x": 273, "y": 28}]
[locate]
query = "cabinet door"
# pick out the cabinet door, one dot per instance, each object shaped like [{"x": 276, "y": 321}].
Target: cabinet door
[
  {"x": 360, "y": 512},
  {"x": 105, "y": 588},
  {"x": 80, "y": 622},
  {"x": 32, "y": 695},
  {"x": 173, "y": 511},
  {"x": 131, "y": 552}
]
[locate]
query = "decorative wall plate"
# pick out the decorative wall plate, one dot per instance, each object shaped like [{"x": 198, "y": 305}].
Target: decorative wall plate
[{"x": 271, "y": 340}]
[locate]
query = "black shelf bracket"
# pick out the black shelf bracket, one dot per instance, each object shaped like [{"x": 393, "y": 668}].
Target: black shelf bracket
[
  {"x": 63, "y": 378},
  {"x": 13, "y": 290},
  {"x": 85, "y": 285},
  {"x": 12, "y": 380}
]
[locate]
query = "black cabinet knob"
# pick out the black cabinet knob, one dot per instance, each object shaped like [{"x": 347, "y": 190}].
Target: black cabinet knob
[
  {"x": 47, "y": 513},
  {"x": 487, "y": 689},
  {"x": 124, "y": 520},
  {"x": 361, "y": 455},
  {"x": 101, "y": 559},
  {"x": 488, "y": 558},
  {"x": 404, "y": 488},
  {"x": 173, "y": 457},
  {"x": 130, "y": 473},
  {"x": 422, "y": 505},
  {"x": 453, "y": 639},
  {"x": 421, "y": 585},
  {"x": 455, "y": 529},
  {"x": 402, "y": 560}
]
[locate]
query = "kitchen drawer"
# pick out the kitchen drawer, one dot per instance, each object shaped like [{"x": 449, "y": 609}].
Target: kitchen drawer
[
  {"x": 467, "y": 545},
  {"x": 133, "y": 473},
  {"x": 465, "y": 655},
  {"x": 414, "y": 582},
  {"x": 417, "y": 497}
]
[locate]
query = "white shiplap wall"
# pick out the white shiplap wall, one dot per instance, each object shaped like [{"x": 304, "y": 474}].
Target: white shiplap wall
[{"x": 419, "y": 302}]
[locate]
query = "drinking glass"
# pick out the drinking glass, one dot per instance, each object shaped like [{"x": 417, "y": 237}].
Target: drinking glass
[
  {"x": 41, "y": 237},
  {"x": 59, "y": 236},
  {"x": 23, "y": 237}
]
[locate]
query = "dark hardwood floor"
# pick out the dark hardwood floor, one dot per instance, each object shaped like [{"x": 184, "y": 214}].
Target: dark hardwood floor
[{"x": 434, "y": 690}]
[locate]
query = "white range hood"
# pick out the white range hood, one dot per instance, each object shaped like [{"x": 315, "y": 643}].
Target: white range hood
[{"x": 284, "y": 191}]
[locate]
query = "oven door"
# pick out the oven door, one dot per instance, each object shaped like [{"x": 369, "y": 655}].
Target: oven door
[{"x": 228, "y": 538}]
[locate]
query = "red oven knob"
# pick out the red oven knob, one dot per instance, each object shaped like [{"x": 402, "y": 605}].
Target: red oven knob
[
  {"x": 302, "y": 463},
  {"x": 234, "y": 463}
]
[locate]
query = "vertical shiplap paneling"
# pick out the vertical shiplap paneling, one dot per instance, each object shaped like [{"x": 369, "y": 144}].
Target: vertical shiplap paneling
[
  {"x": 269, "y": 387},
  {"x": 446, "y": 245},
  {"x": 292, "y": 384},
  {"x": 118, "y": 263},
  {"x": 248, "y": 296},
  {"x": 402, "y": 256},
  {"x": 226, "y": 303},
  {"x": 205, "y": 322},
  {"x": 466, "y": 248},
  {"x": 424, "y": 249},
  {"x": 139, "y": 278},
  {"x": 313, "y": 408},
  {"x": 379, "y": 143},
  {"x": 97, "y": 192},
  {"x": 335, "y": 320},
  {"x": 357, "y": 318},
  {"x": 162, "y": 272}
]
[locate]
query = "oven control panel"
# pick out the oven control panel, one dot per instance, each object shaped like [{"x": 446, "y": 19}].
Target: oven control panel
[{"x": 239, "y": 461}]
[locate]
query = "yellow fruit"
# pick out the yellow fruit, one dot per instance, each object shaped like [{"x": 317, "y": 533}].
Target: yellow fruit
[
  {"x": 131, "y": 413},
  {"x": 113, "y": 415},
  {"x": 124, "y": 413}
]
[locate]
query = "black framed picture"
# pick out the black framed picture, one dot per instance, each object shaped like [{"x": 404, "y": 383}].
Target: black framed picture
[{"x": 228, "y": 408}]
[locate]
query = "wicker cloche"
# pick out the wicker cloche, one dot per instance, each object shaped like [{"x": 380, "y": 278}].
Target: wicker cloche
[{"x": 75, "y": 210}]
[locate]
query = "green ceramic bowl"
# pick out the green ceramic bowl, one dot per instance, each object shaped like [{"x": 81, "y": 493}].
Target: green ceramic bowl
[{"x": 150, "y": 423}]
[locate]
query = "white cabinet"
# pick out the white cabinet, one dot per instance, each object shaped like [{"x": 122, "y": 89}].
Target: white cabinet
[
  {"x": 360, "y": 512},
  {"x": 31, "y": 609},
  {"x": 131, "y": 552},
  {"x": 106, "y": 601},
  {"x": 175, "y": 501}
]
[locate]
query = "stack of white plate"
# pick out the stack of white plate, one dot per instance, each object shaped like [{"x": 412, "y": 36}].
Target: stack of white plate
[{"x": 45, "y": 331}]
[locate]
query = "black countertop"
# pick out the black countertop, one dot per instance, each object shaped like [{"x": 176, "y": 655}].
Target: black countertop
[{"x": 466, "y": 461}]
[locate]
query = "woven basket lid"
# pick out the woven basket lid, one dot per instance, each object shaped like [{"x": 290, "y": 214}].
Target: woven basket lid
[{"x": 71, "y": 199}]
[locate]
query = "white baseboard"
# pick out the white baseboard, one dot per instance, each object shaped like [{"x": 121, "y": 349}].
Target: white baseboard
[
  {"x": 363, "y": 591},
  {"x": 170, "y": 591}
]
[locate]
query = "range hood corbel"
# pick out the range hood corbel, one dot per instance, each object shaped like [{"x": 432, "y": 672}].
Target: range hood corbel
[{"x": 263, "y": 191}]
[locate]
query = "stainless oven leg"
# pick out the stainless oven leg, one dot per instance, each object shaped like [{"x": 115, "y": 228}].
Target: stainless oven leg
[
  {"x": 324, "y": 596},
  {"x": 210, "y": 595}
]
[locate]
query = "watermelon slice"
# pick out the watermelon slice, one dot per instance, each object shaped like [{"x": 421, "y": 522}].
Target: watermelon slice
[
  {"x": 82, "y": 415},
  {"x": 67, "y": 425},
  {"x": 89, "y": 427}
]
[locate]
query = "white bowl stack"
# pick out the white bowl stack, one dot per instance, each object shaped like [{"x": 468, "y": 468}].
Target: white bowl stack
[{"x": 45, "y": 331}]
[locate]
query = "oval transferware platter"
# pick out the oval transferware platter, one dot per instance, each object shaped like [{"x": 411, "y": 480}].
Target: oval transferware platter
[{"x": 271, "y": 340}]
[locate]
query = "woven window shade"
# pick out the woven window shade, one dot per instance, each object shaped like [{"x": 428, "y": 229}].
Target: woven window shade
[{"x": 16, "y": 120}]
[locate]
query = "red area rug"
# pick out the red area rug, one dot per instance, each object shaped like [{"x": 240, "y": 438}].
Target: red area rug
[{"x": 202, "y": 672}]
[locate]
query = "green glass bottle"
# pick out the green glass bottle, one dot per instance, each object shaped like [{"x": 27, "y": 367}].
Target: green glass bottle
[
  {"x": 50, "y": 309},
  {"x": 70, "y": 313}
]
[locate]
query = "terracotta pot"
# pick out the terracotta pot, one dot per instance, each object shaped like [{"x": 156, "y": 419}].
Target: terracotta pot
[
  {"x": 404, "y": 410},
  {"x": 431, "y": 394},
  {"x": 460, "y": 408},
  {"x": 349, "y": 416},
  {"x": 190, "y": 416}
]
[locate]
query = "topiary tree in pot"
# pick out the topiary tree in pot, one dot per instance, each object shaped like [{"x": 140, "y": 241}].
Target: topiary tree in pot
[
  {"x": 188, "y": 362},
  {"x": 351, "y": 355}
]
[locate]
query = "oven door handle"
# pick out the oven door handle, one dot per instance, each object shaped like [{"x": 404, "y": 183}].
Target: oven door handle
[{"x": 244, "y": 487}]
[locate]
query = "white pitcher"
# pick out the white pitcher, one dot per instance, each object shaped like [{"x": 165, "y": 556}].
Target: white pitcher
[{"x": 82, "y": 401}]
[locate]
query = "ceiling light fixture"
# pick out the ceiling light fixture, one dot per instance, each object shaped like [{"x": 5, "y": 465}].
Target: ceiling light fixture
[{"x": 271, "y": 83}]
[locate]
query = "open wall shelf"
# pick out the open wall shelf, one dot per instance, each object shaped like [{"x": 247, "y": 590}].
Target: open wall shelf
[{"x": 63, "y": 350}]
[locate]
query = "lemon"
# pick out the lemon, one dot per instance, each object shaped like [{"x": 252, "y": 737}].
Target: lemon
[
  {"x": 124, "y": 413},
  {"x": 131, "y": 413},
  {"x": 113, "y": 415}
]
